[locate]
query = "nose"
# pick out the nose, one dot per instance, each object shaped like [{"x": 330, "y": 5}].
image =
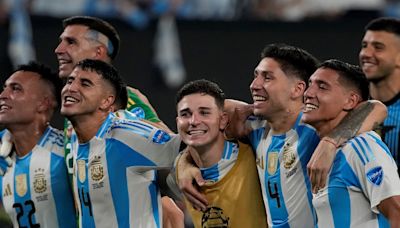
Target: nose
[
  {"x": 60, "y": 48},
  {"x": 366, "y": 51},
  {"x": 309, "y": 93},
  {"x": 4, "y": 94},
  {"x": 194, "y": 120},
  {"x": 256, "y": 83}
]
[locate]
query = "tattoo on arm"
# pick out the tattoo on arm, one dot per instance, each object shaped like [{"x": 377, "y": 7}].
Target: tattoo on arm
[{"x": 351, "y": 123}]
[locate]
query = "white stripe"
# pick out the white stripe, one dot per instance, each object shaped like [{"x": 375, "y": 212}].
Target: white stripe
[
  {"x": 8, "y": 200},
  {"x": 140, "y": 199},
  {"x": 101, "y": 198},
  {"x": 40, "y": 159}
]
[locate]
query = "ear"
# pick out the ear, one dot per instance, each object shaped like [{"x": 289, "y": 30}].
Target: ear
[
  {"x": 101, "y": 52},
  {"x": 107, "y": 103},
  {"x": 224, "y": 121},
  {"x": 44, "y": 104},
  {"x": 298, "y": 89},
  {"x": 352, "y": 101}
]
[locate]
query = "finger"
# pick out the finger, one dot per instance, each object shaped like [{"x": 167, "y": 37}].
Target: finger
[{"x": 197, "y": 204}]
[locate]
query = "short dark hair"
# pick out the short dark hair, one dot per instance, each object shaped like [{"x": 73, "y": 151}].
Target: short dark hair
[
  {"x": 294, "y": 61},
  {"x": 47, "y": 75},
  {"x": 349, "y": 75},
  {"x": 202, "y": 86},
  {"x": 99, "y": 25},
  {"x": 387, "y": 24},
  {"x": 107, "y": 71},
  {"x": 122, "y": 101}
]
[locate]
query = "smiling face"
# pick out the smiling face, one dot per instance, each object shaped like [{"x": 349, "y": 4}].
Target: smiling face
[
  {"x": 21, "y": 98},
  {"x": 326, "y": 100},
  {"x": 270, "y": 89},
  {"x": 379, "y": 55},
  {"x": 200, "y": 121},
  {"x": 74, "y": 46},
  {"x": 85, "y": 93}
]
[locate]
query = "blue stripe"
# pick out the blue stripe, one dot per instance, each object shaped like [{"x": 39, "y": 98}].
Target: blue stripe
[
  {"x": 135, "y": 124},
  {"x": 62, "y": 192},
  {"x": 210, "y": 173},
  {"x": 154, "y": 203},
  {"x": 382, "y": 221},
  {"x": 307, "y": 142},
  {"x": 120, "y": 156},
  {"x": 83, "y": 188},
  {"x": 371, "y": 155},
  {"x": 44, "y": 137},
  {"x": 22, "y": 202},
  {"x": 273, "y": 188},
  {"x": 105, "y": 125},
  {"x": 339, "y": 200},
  {"x": 358, "y": 152},
  {"x": 225, "y": 151},
  {"x": 228, "y": 149},
  {"x": 358, "y": 142},
  {"x": 141, "y": 133}
]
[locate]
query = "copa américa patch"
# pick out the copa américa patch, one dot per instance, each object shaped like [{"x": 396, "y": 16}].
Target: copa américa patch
[
  {"x": 161, "y": 137},
  {"x": 375, "y": 175}
]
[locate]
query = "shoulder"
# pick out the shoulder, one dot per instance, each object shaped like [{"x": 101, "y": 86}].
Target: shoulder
[{"x": 53, "y": 141}]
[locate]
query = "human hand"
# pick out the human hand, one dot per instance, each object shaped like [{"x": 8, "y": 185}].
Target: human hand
[
  {"x": 189, "y": 180},
  {"x": 238, "y": 112},
  {"x": 320, "y": 163}
]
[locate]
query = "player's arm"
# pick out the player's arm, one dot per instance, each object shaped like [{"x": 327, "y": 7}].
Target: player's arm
[
  {"x": 238, "y": 112},
  {"x": 390, "y": 208},
  {"x": 367, "y": 116}
]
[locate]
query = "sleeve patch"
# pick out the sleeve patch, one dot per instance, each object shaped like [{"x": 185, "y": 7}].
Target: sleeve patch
[{"x": 375, "y": 175}]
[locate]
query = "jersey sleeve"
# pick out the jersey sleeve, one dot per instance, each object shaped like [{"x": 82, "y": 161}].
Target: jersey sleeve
[
  {"x": 155, "y": 144},
  {"x": 375, "y": 168}
]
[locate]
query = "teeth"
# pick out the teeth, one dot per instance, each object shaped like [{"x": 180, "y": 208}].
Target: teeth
[
  {"x": 196, "y": 132},
  {"x": 258, "y": 98},
  {"x": 310, "y": 107},
  {"x": 70, "y": 99},
  {"x": 4, "y": 107}
]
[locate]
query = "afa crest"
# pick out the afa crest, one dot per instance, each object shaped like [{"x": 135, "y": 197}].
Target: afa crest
[
  {"x": 39, "y": 181},
  {"x": 96, "y": 170},
  {"x": 289, "y": 156}
]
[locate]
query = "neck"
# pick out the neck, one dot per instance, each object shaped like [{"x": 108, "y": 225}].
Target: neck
[
  {"x": 26, "y": 136},
  {"x": 325, "y": 127},
  {"x": 284, "y": 121},
  {"x": 208, "y": 155},
  {"x": 384, "y": 90},
  {"x": 87, "y": 126}
]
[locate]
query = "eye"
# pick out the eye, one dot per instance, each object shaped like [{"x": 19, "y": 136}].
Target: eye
[
  {"x": 16, "y": 88},
  {"x": 69, "y": 80},
  {"x": 204, "y": 112}
]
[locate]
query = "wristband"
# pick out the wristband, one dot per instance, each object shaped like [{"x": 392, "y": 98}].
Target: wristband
[{"x": 333, "y": 142}]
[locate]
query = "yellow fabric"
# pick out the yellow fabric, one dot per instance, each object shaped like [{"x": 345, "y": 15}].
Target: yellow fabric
[{"x": 235, "y": 200}]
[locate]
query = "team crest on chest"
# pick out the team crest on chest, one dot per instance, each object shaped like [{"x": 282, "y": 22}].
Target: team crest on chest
[
  {"x": 81, "y": 170},
  {"x": 21, "y": 184},
  {"x": 272, "y": 162},
  {"x": 96, "y": 169},
  {"x": 289, "y": 156},
  {"x": 214, "y": 217},
  {"x": 39, "y": 181}
]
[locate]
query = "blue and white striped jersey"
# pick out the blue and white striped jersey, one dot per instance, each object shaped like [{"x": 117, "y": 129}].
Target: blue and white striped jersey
[
  {"x": 363, "y": 174},
  {"x": 282, "y": 168},
  {"x": 391, "y": 127},
  {"x": 228, "y": 159},
  {"x": 35, "y": 190},
  {"x": 114, "y": 174}
]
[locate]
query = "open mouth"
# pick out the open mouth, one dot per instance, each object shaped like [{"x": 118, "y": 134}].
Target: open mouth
[
  {"x": 70, "y": 100},
  {"x": 309, "y": 107}
]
